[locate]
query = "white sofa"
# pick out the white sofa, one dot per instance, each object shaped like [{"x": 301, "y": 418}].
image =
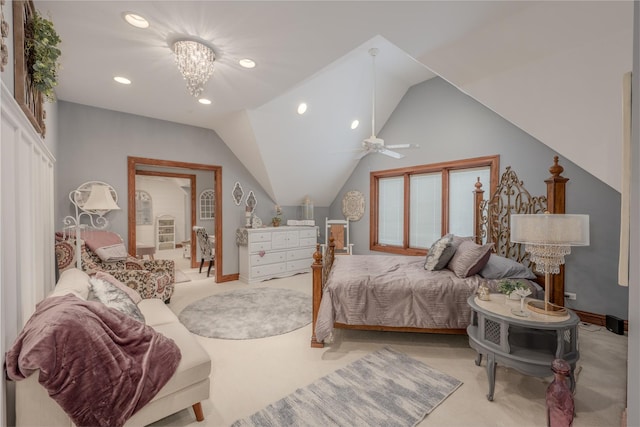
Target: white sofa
[{"x": 189, "y": 386}]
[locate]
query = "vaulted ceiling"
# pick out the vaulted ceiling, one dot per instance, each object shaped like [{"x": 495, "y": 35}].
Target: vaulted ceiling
[{"x": 552, "y": 68}]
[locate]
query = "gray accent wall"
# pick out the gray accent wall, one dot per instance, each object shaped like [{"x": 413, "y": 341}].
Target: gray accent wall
[
  {"x": 93, "y": 145},
  {"x": 450, "y": 125}
]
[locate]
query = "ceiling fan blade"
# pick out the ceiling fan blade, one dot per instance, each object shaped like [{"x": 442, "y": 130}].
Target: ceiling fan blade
[
  {"x": 403, "y": 146},
  {"x": 390, "y": 153}
]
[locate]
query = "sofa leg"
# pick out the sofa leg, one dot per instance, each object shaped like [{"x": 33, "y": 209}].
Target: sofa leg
[{"x": 197, "y": 409}]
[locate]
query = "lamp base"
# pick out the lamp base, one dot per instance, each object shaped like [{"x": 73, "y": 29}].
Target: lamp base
[{"x": 551, "y": 309}]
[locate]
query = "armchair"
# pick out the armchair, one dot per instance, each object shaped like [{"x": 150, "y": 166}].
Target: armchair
[{"x": 150, "y": 278}]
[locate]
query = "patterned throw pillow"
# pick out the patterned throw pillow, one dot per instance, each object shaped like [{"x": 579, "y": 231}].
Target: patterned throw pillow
[
  {"x": 115, "y": 298},
  {"x": 440, "y": 253},
  {"x": 469, "y": 258}
]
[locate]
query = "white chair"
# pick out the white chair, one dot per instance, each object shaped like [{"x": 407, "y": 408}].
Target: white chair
[{"x": 339, "y": 230}]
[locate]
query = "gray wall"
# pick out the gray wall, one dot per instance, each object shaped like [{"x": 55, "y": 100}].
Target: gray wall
[
  {"x": 94, "y": 143},
  {"x": 450, "y": 125}
]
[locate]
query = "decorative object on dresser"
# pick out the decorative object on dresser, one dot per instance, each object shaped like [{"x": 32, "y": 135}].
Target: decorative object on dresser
[
  {"x": 165, "y": 232},
  {"x": 277, "y": 219},
  {"x": 548, "y": 238},
  {"x": 272, "y": 252},
  {"x": 92, "y": 200},
  {"x": 206, "y": 244}
]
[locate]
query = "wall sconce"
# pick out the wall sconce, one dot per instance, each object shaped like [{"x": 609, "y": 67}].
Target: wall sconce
[{"x": 92, "y": 200}]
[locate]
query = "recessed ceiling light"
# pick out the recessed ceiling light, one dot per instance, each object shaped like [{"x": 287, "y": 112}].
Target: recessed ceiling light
[
  {"x": 135, "y": 20},
  {"x": 247, "y": 63},
  {"x": 355, "y": 124},
  {"x": 204, "y": 101},
  {"x": 302, "y": 108},
  {"x": 122, "y": 80}
]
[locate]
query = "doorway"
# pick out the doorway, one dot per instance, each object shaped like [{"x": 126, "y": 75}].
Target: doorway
[{"x": 135, "y": 166}]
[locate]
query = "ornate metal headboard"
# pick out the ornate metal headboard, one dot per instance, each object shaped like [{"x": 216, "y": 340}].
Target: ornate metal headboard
[{"x": 510, "y": 197}]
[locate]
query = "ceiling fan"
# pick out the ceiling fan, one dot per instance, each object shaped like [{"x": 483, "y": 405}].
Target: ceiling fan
[{"x": 373, "y": 144}]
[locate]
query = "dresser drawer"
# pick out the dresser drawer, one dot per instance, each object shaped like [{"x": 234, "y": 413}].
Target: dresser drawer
[
  {"x": 259, "y": 246},
  {"x": 259, "y": 237},
  {"x": 268, "y": 270},
  {"x": 306, "y": 253},
  {"x": 300, "y": 264},
  {"x": 311, "y": 232},
  {"x": 268, "y": 258},
  {"x": 307, "y": 241}
]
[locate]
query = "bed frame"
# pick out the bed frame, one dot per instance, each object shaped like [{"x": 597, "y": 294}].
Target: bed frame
[{"x": 491, "y": 224}]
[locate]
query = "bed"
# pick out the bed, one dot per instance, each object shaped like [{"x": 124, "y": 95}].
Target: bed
[{"x": 396, "y": 293}]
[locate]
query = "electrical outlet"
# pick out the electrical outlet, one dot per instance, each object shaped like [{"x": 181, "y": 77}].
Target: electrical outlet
[{"x": 570, "y": 295}]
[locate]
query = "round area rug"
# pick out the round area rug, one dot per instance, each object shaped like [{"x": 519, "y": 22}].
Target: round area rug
[{"x": 248, "y": 313}]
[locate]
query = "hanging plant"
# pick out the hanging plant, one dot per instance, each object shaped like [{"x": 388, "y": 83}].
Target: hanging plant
[{"x": 41, "y": 41}]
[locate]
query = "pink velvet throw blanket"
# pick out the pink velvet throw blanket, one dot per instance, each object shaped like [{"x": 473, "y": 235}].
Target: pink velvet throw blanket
[{"x": 99, "y": 365}]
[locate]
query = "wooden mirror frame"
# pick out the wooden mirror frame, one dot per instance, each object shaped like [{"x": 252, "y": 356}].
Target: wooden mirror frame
[{"x": 134, "y": 162}]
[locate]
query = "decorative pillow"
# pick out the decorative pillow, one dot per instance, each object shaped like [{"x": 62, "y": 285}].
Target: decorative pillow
[
  {"x": 440, "y": 253},
  {"x": 469, "y": 258},
  {"x": 115, "y": 298},
  {"x": 500, "y": 267},
  {"x": 117, "y": 252},
  {"x": 135, "y": 297}
]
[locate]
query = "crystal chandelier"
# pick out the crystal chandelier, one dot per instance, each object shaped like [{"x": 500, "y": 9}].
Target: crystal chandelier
[{"x": 195, "y": 62}]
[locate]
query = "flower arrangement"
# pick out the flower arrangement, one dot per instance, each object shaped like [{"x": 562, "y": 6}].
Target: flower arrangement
[
  {"x": 509, "y": 286},
  {"x": 275, "y": 221}
]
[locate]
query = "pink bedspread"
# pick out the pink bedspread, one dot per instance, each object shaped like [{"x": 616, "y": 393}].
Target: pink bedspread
[{"x": 100, "y": 365}]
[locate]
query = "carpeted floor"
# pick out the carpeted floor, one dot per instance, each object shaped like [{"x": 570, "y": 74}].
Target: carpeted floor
[
  {"x": 385, "y": 388},
  {"x": 248, "y": 313},
  {"x": 181, "y": 277}
]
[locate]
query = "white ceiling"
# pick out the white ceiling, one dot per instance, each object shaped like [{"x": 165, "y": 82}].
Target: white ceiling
[{"x": 316, "y": 52}]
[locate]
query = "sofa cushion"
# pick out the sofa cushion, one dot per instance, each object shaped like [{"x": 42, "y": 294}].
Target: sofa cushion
[
  {"x": 72, "y": 281},
  {"x": 195, "y": 364},
  {"x": 115, "y": 298},
  {"x": 156, "y": 312}
]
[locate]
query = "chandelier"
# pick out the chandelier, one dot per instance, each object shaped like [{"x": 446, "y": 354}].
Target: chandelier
[{"x": 195, "y": 62}]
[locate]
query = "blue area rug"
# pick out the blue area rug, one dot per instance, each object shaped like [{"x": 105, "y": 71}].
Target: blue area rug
[
  {"x": 384, "y": 388},
  {"x": 248, "y": 313}
]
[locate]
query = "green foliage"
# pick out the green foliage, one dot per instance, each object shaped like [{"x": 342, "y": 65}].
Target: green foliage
[
  {"x": 41, "y": 41},
  {"x": 508, "y": 286}
]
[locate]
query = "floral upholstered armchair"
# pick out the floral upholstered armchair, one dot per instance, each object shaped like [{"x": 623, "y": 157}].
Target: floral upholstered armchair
[{"x": 150, "y": 278}]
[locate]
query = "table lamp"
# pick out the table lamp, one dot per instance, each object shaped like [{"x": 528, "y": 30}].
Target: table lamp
[{"x": 548, "y": 238}]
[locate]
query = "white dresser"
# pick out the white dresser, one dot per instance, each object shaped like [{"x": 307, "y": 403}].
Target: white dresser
[{"x": 266, "y": 253}]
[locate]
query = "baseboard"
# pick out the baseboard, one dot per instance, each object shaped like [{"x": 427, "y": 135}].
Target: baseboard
[{"x": 596, "y": 319}]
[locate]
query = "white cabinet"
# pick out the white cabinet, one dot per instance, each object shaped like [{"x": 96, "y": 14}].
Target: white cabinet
[
  {"x": 276, "y": 252},
  {"x": 165, "y": 232}
]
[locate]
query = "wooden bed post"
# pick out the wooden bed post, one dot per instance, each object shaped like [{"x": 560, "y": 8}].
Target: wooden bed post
[
  {"x": 556, "y": 186},
  {"x": 478, "y": 195},
  {"x": 317, "y": 273}
]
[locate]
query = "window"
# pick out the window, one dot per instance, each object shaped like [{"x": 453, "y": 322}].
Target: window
[
  {"x": 207, "y": 204},
  {"x": 144, "y": 208},
  {"x": 413, "y": 207}
]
